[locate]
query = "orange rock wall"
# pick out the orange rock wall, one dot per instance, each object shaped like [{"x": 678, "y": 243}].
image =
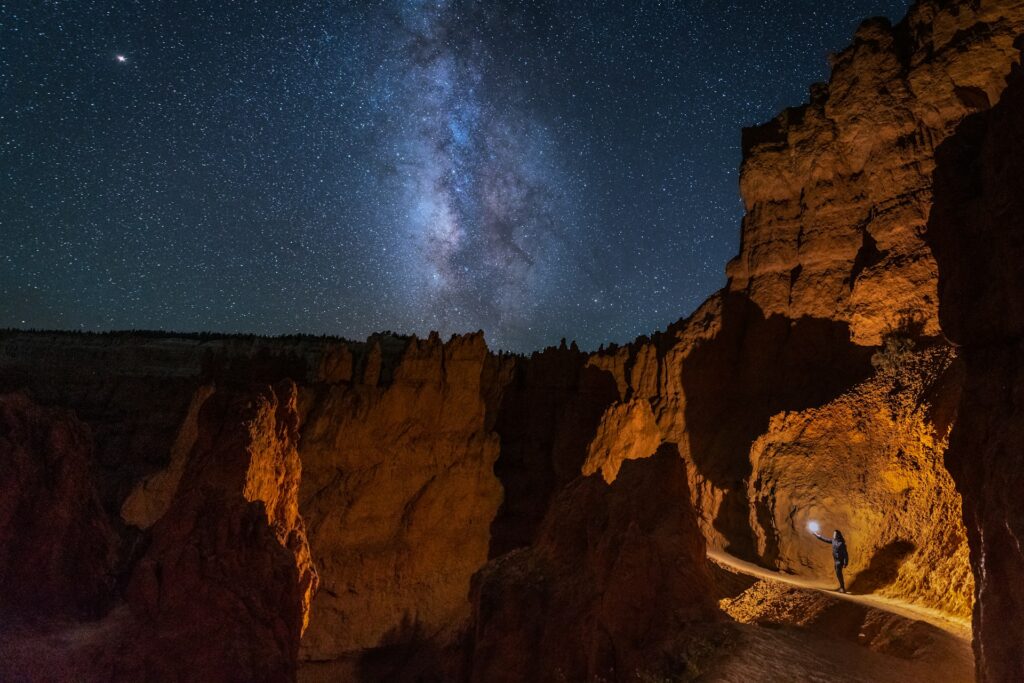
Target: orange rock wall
[
  {"x": 871, "y": 464},
  {"x": 838, "y": 191},
  {"x": 399, "y": 493}
]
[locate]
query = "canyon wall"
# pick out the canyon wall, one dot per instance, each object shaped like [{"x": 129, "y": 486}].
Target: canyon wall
[
  {"x": 406, "y": 463},
  {"x": 871, "y": 464},
  {"x": 399, "y": 494},
  {"x": 833, "y": 266},
  {"x": 838, "y": 191},
  {"x": 977, "y": 233}
]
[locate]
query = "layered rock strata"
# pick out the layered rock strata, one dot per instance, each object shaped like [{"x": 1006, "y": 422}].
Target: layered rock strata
[
  {"x": 399, "y": 494},
  {"x": 838, "y": 191}
]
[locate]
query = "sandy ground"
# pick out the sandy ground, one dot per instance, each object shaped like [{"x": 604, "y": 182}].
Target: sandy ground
[
  {"x": 779, "y": 628},
  {"x": 792, "y": 629}
]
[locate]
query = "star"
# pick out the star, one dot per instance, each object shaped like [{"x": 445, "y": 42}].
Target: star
[{"x": 121, "y": 58}]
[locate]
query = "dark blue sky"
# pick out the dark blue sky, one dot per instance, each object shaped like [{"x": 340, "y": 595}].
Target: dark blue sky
[{"x": 536, "y": 169}]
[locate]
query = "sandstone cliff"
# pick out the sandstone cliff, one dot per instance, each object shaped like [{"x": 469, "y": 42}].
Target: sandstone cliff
[
  {"x": 832, "y": 264},
  {"x": 977, "y": 232},
  {"x": 399, "y": 494},
  {"x": 838, "y": 191},
  {"x": 871, "y": 464},
  {"x": 218, "y": 587}
]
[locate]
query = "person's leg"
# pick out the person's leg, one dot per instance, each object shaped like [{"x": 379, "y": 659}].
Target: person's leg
[{"x": 839, "y": 575}]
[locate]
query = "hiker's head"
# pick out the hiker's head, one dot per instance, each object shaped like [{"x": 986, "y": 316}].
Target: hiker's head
[{"x": 837, "y": 534}]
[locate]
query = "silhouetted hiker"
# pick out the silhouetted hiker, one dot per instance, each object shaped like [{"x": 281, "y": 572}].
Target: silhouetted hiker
[{"x": 839, "y": 555}]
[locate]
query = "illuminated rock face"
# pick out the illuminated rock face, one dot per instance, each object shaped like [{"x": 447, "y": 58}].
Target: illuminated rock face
[
  {"x": 870, "y": 463},
  {"x": 399, "y": 493},
  {"x": 229, "y": 557},
  {"x": 838, "y": 191},
  {"x": 757, "y": 386},
  {"x": 977, "y": 233}
]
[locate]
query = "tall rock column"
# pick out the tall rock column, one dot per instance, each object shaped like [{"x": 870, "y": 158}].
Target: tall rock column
[
  {"x": 399, "y": 491},
  {"x": 977, "y": 234},
  {"x": 223, "y": 590}
]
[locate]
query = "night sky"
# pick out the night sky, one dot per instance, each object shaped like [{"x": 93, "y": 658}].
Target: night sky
[{"x": 535, "y": 169}]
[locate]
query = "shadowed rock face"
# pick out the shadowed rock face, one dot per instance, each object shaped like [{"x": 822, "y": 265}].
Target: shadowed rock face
[
  {"x": 613, "y": 579},
  {"x": 977, "y": 233},
  {"x": 217, "y": 588},
  {"x": 56, "y": 544},
  {"x": 547, "y": 419}
]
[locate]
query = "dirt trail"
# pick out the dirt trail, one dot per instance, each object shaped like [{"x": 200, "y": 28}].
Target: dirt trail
[
  {"x": 793, "y": 629},
  {"x": 956, "y": 626}
]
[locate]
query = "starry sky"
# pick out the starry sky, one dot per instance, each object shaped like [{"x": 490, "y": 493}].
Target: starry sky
[{"x": 535, "y": 169}]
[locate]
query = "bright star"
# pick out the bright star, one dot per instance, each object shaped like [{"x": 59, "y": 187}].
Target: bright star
[{"x": 121, "y": 58}]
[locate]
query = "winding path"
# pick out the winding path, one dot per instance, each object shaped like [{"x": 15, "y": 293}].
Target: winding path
[
  {"x": 958, "y": 627},
  {"x": 792, "y": 628}
]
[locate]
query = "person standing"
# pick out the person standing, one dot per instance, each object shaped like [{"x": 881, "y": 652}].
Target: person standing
[{"x": 839, "y": 554}]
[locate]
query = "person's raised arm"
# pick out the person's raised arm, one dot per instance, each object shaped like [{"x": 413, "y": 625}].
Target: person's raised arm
[{"x": 822, "y": 538}]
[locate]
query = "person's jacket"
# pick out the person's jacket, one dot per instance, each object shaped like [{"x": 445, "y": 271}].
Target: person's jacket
[{"x": 838, "y": 549}]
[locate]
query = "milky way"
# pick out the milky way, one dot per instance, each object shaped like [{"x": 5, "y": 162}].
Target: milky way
[
  {"x": 477, "y": 221},
  {"x": 534, "y": 169}
]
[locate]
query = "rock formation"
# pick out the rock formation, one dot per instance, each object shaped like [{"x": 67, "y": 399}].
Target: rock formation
[
  {"x": 56, "y": 545},
  {"x": 838, "y": 191},
  {"x": 547, "y": 418},
  {"x": 399, "y": 492},
  {"x": 977, "y": 233},
  {"x": 217, "y": 587},
  {"x": 871, "y": 464},
  {"x": 832, "y": 264},
  {"x": 244, "y": 508},
  {"x": 606, "y": 591}
]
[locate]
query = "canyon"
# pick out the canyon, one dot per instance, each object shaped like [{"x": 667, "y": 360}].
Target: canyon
[{"x": 224, "y": 507}]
